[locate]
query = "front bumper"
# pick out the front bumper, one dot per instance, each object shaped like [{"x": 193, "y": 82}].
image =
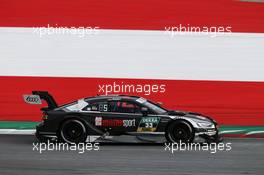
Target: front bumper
[
  {"x": 206, "y": 131},
  {"x": 209, "y": 134}
]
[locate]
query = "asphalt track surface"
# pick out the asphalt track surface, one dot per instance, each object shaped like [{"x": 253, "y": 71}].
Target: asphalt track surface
[{"x": 17, "y": 157}]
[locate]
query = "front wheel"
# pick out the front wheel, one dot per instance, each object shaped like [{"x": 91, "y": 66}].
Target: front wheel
[
  {"x": 179, "y": 131},
  {"x": 73, "y": 131}
]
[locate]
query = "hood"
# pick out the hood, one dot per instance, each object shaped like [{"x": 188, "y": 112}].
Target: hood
[{"x": 192, "y": 115}]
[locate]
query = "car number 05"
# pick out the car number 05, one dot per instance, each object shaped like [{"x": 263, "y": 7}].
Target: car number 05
[{"x": 103, "y": 107}]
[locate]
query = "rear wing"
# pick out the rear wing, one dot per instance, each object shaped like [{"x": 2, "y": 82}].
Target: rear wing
[{"x": 37, "y": 96}]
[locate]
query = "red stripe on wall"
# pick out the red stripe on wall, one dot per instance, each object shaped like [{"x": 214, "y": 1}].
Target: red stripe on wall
[
  {"x": 137, "y": 14},
  {"x": 230, "y": 103}
]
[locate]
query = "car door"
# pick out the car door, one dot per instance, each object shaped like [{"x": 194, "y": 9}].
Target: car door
[{"x": 121, "y": 116}]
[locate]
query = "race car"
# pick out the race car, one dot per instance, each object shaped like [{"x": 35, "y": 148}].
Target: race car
[{"x": 119, "y": 118}]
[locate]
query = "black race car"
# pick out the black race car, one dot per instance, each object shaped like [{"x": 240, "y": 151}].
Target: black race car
[{"x": 119, "y": 118}]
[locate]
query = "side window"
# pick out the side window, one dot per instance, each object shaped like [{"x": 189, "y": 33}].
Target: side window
[
  {"x": 123, "y": 107},
  {"x": 101, "y": 106}
]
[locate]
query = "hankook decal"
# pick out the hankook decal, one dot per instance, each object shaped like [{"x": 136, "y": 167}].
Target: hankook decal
[{"x": 148, "y": 124}]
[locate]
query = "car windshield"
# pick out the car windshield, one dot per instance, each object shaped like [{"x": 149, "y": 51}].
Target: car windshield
[{"x": 152, "y": 106}]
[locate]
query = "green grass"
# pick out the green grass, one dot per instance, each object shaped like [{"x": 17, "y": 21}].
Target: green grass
[{"x": 17, "y": 125}]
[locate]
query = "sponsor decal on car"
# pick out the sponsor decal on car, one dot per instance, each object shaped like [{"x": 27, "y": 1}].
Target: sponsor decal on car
[
  {"x": 148, "y": 124},
  {"x": 112, "y": 122},
  {"x": 99, "y": 121},
  {"x": 129, "y": 123},
  {"x": 141, "y": 100}
]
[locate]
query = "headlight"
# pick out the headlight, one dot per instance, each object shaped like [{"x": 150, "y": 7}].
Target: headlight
[
  {"x": 201, "y": 117},
  {"x": 205, "y": 125}
]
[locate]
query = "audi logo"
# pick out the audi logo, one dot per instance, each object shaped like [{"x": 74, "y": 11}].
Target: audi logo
[{"x": 32, "y": 99}]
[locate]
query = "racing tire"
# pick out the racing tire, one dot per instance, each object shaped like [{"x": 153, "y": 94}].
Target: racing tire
[
  {"x": 72, "y": 131},
  {"x": 179, "y": 131}
]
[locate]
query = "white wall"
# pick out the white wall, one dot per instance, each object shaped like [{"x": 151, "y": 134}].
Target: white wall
[{"x": 133, "y": 54}]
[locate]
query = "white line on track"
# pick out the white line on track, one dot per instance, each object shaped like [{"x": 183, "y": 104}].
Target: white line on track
[{"x": 18, "y": 131}]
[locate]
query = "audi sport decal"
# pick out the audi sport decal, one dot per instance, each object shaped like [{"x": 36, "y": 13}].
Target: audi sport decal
[
  {"x": 32, "y": 99},
  {"x": 129, "y": 123},
  {"x": 148, "y": 124}
]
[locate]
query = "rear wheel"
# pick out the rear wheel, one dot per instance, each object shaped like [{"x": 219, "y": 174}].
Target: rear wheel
[
  {"x": 180, "y": 131},
  {"x": 73, "y": 131}
]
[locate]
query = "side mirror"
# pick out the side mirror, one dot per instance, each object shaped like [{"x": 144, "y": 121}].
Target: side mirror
[
  {"x": 160, "y": 103},
  {"x": 144, "y": 111}
]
